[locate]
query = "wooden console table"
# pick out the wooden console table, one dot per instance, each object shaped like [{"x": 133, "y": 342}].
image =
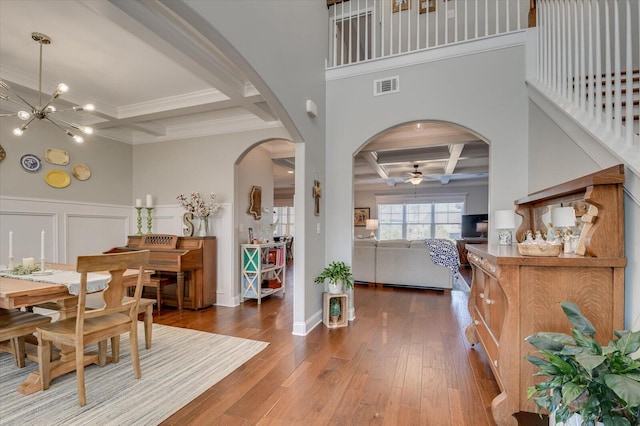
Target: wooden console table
[{"x": 514, "y": 296}]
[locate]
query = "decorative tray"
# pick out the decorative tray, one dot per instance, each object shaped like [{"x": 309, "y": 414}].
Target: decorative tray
[
  {"x": 57, "y": 156},
  {"x": 546, "y": 250},
  {"x": 31, "y": 163},
  {"x": 81, "y": 171},
  {"x": 57, "y": 179}
]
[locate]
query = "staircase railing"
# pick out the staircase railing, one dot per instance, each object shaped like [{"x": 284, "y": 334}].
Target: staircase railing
[
  {"x": 588, "y": 56},
  {"x": 366, "y": 30}
]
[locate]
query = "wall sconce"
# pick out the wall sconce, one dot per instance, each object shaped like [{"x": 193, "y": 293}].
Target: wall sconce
[
  {"x": 372, "y": 225},
  {"x": 505, "y": 222}
]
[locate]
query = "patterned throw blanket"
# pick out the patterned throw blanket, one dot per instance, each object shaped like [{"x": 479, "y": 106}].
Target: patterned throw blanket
[{"x": 444, "y": 253}]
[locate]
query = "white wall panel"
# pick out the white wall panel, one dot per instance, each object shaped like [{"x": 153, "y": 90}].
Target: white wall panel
[{"x": 92, "y": 234}]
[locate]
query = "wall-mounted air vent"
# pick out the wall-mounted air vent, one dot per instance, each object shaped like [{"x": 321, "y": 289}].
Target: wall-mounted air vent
[{"x": 384, "y": 86}]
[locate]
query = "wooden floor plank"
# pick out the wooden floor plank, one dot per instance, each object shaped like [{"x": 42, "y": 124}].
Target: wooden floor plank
[{"x": 403, "y": 361}]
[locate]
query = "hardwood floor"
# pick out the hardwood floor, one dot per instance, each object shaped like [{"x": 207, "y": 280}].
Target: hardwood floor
[{"x": 403, "y": 361}]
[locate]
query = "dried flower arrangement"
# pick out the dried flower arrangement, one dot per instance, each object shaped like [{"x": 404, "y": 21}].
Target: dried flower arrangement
[{"x": 197, "y": 206}]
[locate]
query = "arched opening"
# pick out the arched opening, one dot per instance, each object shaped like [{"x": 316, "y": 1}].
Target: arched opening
[
  {"x": 415, "y": 181},
  {"x": 265, "y": 219}
]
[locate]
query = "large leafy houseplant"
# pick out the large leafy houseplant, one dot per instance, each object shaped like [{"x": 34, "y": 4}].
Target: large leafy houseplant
[
  {"x": 601, "y": 383},
  {"x": 336, "y": 271}
]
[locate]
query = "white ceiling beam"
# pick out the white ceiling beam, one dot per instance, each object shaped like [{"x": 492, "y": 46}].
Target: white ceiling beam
[
  {"x": 454, "y": 156},
  {"x": 372, "y": 160}
]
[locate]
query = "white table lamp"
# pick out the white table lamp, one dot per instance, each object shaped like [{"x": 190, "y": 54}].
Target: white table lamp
[
  {"x": 505, "y": 221},
  {"x": 372, "y": 225},
  {"x": 563, "y": 217}
]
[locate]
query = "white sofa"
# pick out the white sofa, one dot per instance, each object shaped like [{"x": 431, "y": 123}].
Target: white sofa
[{"x": 398, "y": 262}]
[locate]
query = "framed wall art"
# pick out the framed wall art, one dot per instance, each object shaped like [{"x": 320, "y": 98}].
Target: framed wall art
[
  {"x": 255, "y": 202},
  {"x": 399, "y": 5},
  {"x": 360, "y": 216},
  {"x": 427, "y": 6}
]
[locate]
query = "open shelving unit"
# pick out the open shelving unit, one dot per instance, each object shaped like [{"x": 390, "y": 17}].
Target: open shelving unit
[{"x": 263, "y": 270}]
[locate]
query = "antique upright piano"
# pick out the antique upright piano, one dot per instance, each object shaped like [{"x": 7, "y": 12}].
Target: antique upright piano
[{"x": 191, "y": 260}]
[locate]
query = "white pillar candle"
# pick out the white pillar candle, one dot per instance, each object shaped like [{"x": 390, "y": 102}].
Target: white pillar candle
[
  {"x": 10, "y": 243},
  {"x": 138, "y": 202},
  {"x": 27, "y": 261},
  {"x": 149, "y": 201},
  {"x": 42, "y": 245}
]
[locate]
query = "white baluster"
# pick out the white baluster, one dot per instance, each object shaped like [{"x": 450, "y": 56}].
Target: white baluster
[
  {"x": 569, "y": 53},
  {"x": 598, "y": 110},
  {"x": 476, "y": 20},
  {"x": 486, "y": 18},
  {"x": 576, "y": 54},
  {"x": 629, "y": 103},
  {"x": 590, "y": 76},
  {"x": 608, "y": 106},
  {"x": 617, "y": 86}
]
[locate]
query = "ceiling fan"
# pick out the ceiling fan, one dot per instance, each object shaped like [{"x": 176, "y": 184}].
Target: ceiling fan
[{"x": 415, "y": 176}]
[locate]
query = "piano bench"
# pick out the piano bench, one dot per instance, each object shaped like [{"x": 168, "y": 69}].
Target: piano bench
[
  {"x": 158, "y": 283},
  {"x": 146, "y": 307}
]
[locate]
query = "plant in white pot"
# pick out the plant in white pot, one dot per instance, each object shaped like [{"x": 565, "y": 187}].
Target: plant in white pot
[
  {"x": 586, "y": 382},
  {"x": 337, "y": 275}
]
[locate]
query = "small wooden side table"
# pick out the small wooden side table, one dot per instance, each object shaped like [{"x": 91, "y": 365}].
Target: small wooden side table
[{"x": 342, "y": 320}]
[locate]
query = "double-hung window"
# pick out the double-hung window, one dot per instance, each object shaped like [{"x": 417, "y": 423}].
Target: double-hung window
[
  {"x": 285, "y": 218},
  {"x": 420, "y": 220}
]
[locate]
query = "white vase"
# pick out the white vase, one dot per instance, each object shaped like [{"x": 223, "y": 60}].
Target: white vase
[
  {"x": 203, "y": 226},
  {"x": 335, "y": 288}
]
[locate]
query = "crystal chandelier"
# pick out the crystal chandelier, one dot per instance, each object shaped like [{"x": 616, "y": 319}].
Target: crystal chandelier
[{"x": 44, "y": 111}]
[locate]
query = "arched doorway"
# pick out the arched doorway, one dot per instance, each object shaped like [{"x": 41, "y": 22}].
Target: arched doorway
[{"x": 417, "y": 180}]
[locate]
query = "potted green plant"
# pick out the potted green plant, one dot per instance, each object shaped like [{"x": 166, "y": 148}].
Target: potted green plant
[
  {"x": 598, "y": 383},
  {"x": 337, "y": 275}
]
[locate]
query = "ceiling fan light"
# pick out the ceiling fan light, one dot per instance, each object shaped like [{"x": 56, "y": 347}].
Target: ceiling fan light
[
  {"x": 86, "y": 129},
  {"x": 18, "y": 131},
  {"x": 77, "y": 138},
  {"x": 416, "y": 180},
  {"x": 89, "y": 107},
  {"x": 24, "y": 115},
  {"x": 50, "y": 108}
]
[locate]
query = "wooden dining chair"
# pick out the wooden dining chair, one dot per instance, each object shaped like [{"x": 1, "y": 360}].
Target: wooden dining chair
[
  {"x": 116, "y": 317},
  {"x": 15, "y": 327}
]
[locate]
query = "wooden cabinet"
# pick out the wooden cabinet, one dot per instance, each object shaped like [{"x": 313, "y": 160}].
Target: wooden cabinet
[
  {"x": 263, "y": 270},
  {"x": 514, "y": 296},
  {"x": 462, "y": 244}
]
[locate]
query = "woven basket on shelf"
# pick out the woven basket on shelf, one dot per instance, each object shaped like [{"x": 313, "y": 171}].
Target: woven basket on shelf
[{"x": 547, "y": 250}]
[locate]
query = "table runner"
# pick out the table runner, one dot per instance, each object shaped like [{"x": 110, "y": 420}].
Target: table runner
[{"x": 70, "y": 279}]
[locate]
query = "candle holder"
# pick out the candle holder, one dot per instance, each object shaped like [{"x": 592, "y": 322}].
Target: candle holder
[
  {"x": 42, "y": 268},
  {"x": 10, "y": 265},
  {"x": 139, "y": 221},
  {"x": 149, "y": 210}
]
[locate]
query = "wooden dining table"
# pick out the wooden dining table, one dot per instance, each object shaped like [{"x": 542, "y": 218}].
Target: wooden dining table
[{"x": 21, "y": 293}]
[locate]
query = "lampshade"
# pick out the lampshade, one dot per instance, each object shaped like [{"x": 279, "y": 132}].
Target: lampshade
[
  {"x": 505, "y": 219},
  {"x": 563, "y": 217},
  {"x": 482, "y": 227},
  {"x": 372, "y": 224}
]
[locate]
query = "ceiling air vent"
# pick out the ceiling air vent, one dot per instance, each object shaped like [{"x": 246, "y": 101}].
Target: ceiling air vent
[{"x": 385, "y": 86}]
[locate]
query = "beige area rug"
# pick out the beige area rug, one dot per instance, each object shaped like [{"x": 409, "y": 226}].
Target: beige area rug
[{"x": 180, "y": 365}]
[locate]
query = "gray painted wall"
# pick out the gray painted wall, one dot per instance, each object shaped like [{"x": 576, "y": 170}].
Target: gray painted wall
[
  {"x": 483, "y": 92},
  {"x": 281, "y": 46},
  {"x": 110, "y": 163},
  {"x": 555, "y": 158}
]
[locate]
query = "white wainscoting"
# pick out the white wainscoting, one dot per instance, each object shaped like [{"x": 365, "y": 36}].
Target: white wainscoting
[{"x": 74, "y": 228}]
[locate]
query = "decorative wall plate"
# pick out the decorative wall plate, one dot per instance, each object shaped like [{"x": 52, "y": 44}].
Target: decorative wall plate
[
  {"x": 57, "y": 156},
  {"x": 31, "y": 163},
  {"x": 57, "y": 179},
  {"x": 3, "y": 153},
  {"x": 81, "y": 171}
]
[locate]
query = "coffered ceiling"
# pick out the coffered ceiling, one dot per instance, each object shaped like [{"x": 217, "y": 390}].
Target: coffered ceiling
[{"x": 153, "y": 80}]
